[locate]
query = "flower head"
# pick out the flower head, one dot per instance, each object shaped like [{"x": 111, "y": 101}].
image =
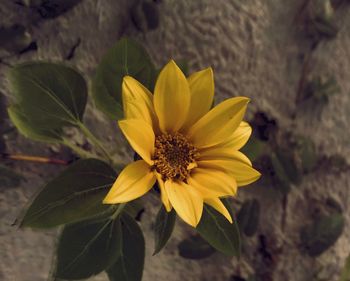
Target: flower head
[{"x": 192, "y": 151}]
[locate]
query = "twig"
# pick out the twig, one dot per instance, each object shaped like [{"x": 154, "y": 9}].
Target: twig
[{"x": 37, "y": 159}]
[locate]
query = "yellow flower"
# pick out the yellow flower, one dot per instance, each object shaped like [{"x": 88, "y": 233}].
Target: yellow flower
[{"x": 190, "y": 149}]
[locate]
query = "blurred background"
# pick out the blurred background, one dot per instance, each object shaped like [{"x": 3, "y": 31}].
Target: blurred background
[{"x": 292, "y": 58}]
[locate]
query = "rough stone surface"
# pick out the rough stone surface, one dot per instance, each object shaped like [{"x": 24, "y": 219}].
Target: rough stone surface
[{"x": 254, "y": 49}]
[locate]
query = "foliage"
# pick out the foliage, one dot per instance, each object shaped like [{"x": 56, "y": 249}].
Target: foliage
[
  {"x": 195, "y": 248},
  {"x": 219, "y": 232},
  {"x": 95, "y": 237},
  {"x": 321, "y": 234},
  {"x": 248, "y": 217},
  {"x": 124, "y": 58}
]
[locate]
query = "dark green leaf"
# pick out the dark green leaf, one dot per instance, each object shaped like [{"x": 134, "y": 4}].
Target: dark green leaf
[
  {"x": 322, "y": 234},
  {"x": 135, "y": 208},
  {"x": 195, "y": 248},
  {"x": 281, "y": 180},
  {"x": 163, "y": 229},
  {"x": 248, "y": 217},
  {"x": 345, "y": 274},
  {"x": 320, "y": 20},
  {"x": 9, "y": 178},
  {"x": 183, "y": 65},
  {"x": 125, "y": 58},
  {"x": 307, "y": 153},
  {"x": 48, "y": 97},
  {"x": 254, "y": 148},
  {"x": 219, "y": 232},
  {"x": 319, "y": 89},
  {"x": 28, "y": 127},
  {"x": 145, "y": 15},
  {"x": 87, "y": 248},
  {"x": 14, "y": 39},
  {"x": 290, "y": 164},
  {"x": 74, "y": 195},
  {"x": 129, "y": 266}
]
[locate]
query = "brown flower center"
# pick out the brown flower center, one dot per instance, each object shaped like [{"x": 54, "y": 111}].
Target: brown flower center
[{"x": 173, "y": 155}]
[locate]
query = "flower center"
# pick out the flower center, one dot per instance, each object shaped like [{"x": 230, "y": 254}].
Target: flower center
[{"x": 173, "y": 156}]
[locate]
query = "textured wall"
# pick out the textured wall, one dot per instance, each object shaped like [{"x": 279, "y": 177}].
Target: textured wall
[{"x": 255, "y": 50}]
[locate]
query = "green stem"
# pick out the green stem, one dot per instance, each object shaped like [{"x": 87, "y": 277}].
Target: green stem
[
  {"x": 118, "y": 211},
  {"x": 95, "y": 141},
  {"x": 79, "y": 151}
]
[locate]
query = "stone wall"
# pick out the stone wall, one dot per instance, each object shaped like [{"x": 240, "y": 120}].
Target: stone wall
[{"x": 255, "y": 50}]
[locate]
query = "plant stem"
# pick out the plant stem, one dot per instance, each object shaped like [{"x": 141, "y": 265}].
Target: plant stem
[
  {"x": 118, "y": 211},
  {"x": 95, "y": 141},
  {"x": 37, "y": 159},
  {"x": 79, "y": 151}
]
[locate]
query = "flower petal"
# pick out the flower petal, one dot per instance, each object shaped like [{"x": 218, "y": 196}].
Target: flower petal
[
  {"x": 163, "y": 194},
  {"x": 223, "y": 153},
  {"x": 138, "y": 101},
  {"x": 133, "y": 182},
  {"x": 212, "y": 183},
  {"x": 171, "y": 98},
  {"x": 219, "y": 123},
  {"x": 201, "y": 85},
  {"x": 186, "y": 201},
  {"x": 240, "y": 170},
  {"x": 239, "y": 137},
  {"x": 141, "y": 137},
  {"x": 220, "y": 207}
]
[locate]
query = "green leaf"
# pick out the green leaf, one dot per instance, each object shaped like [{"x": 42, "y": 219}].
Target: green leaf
[
  {"x": 135, "y": 208},
  {"x": 319, "y": 89},
  {"x": 254, "y": 148},
  {"x": 47, "y": 98},
  {"x": 28, "y": 127},
  {"x": 307, "y": 154},
  {"x": 195, "y": 248},
  {"x": 219, "y": 232},
  {"x": 145, "y": 15},
  {"x": 129, "y": 266},
  {"x": 345, "y": 274},
  {"x": 290, "y": 164},
  {"x": 322, "y": 233},
  {"x": 8, "y": 178},
  {"x": 286, "y": 169},
  {"x": 87, "y": 248},
  {"x": 74, "y": 195},
  {"x": 163, "y": 229},
  {"x": 248, "y": 217},
  {"x": 125, "y": 58}
]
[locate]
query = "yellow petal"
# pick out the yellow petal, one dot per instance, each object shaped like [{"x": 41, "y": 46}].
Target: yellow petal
[
  {"x": 219, "y": 123},
  {"x": 219, "y": 206},
  {"x": 138, "y": 102},
  {"x": 141, "y": 137},
  {"x": 186, "y": 201},
  {"x": 241, "y": 171},
  {"x": 240, "y": 136},
  {"x": 171, "y": 98},
  {"x": 212, "y": 183},
  {"x": 133, "y": 182},
  {"x": 223, "y": 153},
  {"x": 163, "y": 194},
  {"x": 202, "y": 94}
]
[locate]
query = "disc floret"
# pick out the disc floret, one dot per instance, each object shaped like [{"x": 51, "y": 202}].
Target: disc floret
[{"x": 174, "y": 156}]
